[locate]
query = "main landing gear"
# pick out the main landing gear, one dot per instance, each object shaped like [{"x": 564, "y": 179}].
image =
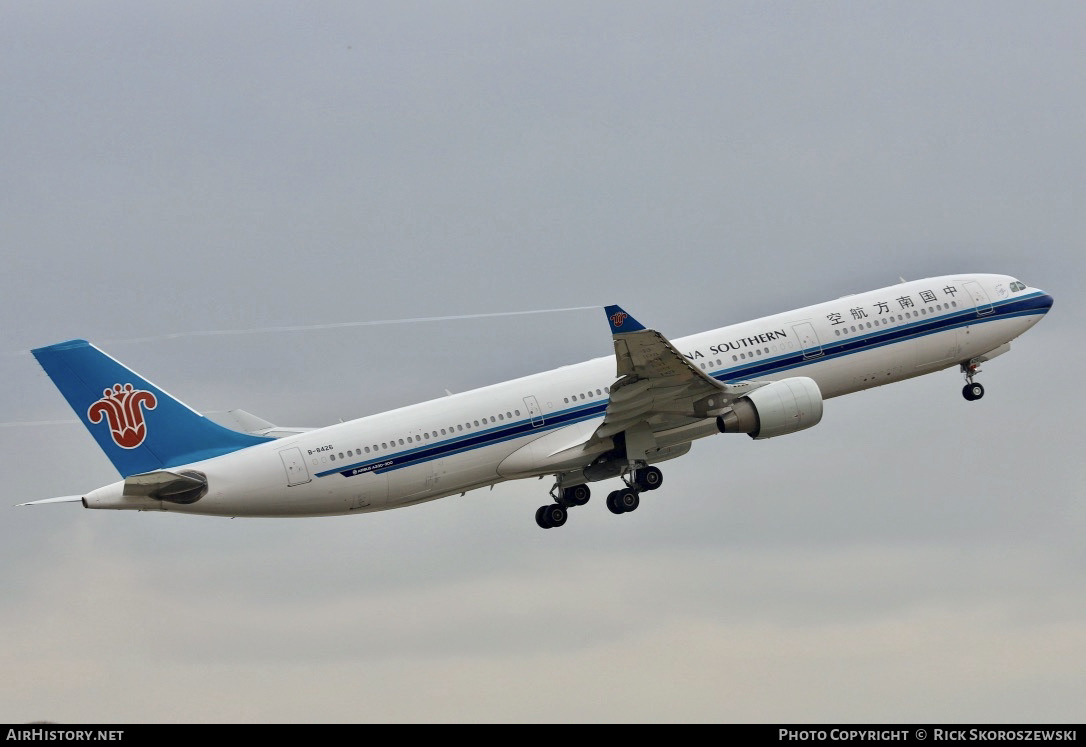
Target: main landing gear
[
  {"x": 972, "y": 390},
  {"x": 628, "y": 498},
  {"x": 619, "y": 501},
  {"x": 555, "y": 514}
]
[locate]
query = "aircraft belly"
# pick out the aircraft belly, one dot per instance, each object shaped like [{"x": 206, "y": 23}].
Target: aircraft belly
[
  {"x": 879, "y": 366},
  {"x": 937, "y": 350},
  {"x": 556, "y": 451},
  {"x": 448, "y": 475},
  {"x": 980, "y": 338},
  {"x": 469, "y": 468}
]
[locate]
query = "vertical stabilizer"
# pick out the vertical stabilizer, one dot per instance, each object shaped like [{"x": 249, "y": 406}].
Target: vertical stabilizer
[{"x": 139, "y": 426}]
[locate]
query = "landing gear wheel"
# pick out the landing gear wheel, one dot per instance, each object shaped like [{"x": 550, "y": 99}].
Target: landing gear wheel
[
  {"x": 973, "y": 392},
  {"x": 628, "y": 500},
  {"x": 623, "y": 501},
  {"x": 555, "y": 515},
  {"x": 550, "y": 516},
  {"x": 649, "y": 478},
  {"x": 578, "y": 495}
]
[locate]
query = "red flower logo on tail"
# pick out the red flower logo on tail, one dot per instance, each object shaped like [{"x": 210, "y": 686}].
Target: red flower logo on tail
[
  {"x": 121, "y": 407},
  {"x": 618, "y": 318}
]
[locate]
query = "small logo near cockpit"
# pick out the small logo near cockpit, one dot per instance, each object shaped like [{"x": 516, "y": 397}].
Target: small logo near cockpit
[{"x": 123, "y": 407}]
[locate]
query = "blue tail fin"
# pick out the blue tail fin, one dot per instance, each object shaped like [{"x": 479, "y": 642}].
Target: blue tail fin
[{"x": 138, "y": 426}]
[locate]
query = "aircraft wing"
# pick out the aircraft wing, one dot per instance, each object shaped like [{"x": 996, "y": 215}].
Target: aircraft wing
[{"x": 658, "y": 388}]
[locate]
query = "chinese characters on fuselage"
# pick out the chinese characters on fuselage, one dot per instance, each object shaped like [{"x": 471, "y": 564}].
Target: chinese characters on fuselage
[{"x": 881, "y": 308}]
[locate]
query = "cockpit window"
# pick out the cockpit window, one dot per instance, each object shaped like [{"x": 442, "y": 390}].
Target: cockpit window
[{"x": 1016, "y": 286}]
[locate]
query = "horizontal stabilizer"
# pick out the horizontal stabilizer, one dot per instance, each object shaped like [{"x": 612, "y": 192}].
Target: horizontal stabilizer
[
  {"x": 180, "y": 486},
  {"x": 246, "y": 422},
  {"x": 61, "y": 499}
]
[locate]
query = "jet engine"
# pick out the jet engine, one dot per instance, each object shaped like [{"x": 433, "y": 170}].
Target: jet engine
[{"x": 785, "y": 406}]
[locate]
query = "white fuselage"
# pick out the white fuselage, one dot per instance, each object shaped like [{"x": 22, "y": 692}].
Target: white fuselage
[{"x": 481, "y": 437}]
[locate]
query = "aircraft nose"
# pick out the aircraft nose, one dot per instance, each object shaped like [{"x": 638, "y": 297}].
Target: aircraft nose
[{"x": 1038, "y": 304}]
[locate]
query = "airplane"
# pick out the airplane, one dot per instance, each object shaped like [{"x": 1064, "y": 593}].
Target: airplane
[{"x": 611, "y": 418}]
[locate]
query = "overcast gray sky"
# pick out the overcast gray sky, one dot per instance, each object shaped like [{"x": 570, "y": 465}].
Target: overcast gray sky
[{"x": 175, "y": 168}]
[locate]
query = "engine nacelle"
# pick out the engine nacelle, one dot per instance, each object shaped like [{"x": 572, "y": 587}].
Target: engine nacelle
[{"x": 775, "y": 409}]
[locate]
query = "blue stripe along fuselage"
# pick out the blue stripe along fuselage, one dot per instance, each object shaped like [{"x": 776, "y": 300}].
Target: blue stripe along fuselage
[
  {"x": 1032, "y": 304},
  {"x": 1035, "y": 303}
]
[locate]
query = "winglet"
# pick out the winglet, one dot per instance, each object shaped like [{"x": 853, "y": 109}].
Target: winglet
[{"x": 620, "y": 321}]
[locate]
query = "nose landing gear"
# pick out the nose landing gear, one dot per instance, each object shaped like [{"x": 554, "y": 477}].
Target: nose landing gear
[{"x": 972, "y": 390}]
